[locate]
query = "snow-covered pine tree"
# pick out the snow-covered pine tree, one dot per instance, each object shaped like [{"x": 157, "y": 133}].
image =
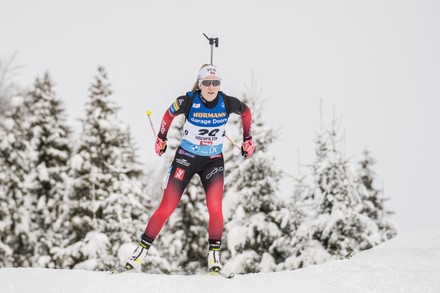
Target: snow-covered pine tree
[
  {"x": 252, "y": 206},
  {"x": 338, "y": 225},
  {"x": 125, "y": 209},
  {"x": 106, "y": 197},
  {"x": 9, "y": 115},
  {"x": 17, "y": 239},
  {"x": 49, "y": 140},
  {"x": 303, "y": 249},
  {"x": 373, "y": 201}
]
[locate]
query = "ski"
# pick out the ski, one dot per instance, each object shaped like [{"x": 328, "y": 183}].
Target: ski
[
  {"x": 221, "y": 274},
  {"x": 120, "y": 270},
  {"x": 128, "y": 268}
]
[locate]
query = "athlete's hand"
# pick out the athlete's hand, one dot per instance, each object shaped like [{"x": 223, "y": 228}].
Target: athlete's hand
[
  {"x": 161, "y": 146},
  {"x": 247, "y": 148}
]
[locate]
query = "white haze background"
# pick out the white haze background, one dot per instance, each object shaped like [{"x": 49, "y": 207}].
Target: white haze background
[{"x": 377, "y": 63}]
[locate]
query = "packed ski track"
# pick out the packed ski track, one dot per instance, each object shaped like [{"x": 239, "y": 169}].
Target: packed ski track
[{"x": 408, "y": 263}]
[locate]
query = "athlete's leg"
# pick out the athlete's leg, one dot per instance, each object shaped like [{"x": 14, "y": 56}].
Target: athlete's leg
[
  {"x": 179, "y": 177},
  {"x": 213, "y": 179}
]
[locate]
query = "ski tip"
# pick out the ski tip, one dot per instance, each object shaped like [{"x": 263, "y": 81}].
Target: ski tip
[{"x": 221, "y": 274}]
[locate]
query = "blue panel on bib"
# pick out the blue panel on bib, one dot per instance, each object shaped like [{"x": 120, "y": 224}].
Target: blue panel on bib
[
  {"x": 200, "y": 115},
  {"x": 201, "y": 150}
]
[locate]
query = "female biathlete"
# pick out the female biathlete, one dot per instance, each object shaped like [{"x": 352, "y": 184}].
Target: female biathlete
[{"x": 206, "y": 110}]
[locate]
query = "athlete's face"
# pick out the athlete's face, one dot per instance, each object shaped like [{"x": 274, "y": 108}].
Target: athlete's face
[{"x": 209, "y": 92}]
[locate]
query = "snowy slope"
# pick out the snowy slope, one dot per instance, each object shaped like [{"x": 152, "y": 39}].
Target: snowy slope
[{"x": 408, "y": 263}]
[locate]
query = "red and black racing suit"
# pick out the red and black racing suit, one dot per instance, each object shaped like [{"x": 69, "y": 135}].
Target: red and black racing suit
[{"x": 190, "y": 159}]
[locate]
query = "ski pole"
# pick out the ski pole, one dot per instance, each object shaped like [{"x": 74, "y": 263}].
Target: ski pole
[
  {"x": 151, "y": 122},
  {"x": 233, "y": 142}
]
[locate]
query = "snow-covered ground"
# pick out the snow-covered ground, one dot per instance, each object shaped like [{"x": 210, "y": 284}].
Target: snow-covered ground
[{"x": 408, "y": 263}]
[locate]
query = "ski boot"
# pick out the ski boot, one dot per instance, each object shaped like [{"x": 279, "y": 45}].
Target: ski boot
[
  {"x": 135, "y": 260},
  {"x": 214, "y": 262}
]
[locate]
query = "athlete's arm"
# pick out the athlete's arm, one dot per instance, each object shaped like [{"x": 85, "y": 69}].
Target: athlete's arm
[
  {"x": 177, "y": 108},
  {"x": 238, "y": 107}
]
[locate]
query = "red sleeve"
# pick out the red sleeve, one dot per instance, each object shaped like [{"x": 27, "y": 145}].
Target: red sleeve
[
  {"x": 176, "y": 108},
  {"x": 246, "y": 118},
  {"x": 238, "y": 107},
  {"x": 165, "y": 125}
]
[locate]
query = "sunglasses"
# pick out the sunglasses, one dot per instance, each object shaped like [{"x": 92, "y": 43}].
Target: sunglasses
[{"x": 209, "y": 82}]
